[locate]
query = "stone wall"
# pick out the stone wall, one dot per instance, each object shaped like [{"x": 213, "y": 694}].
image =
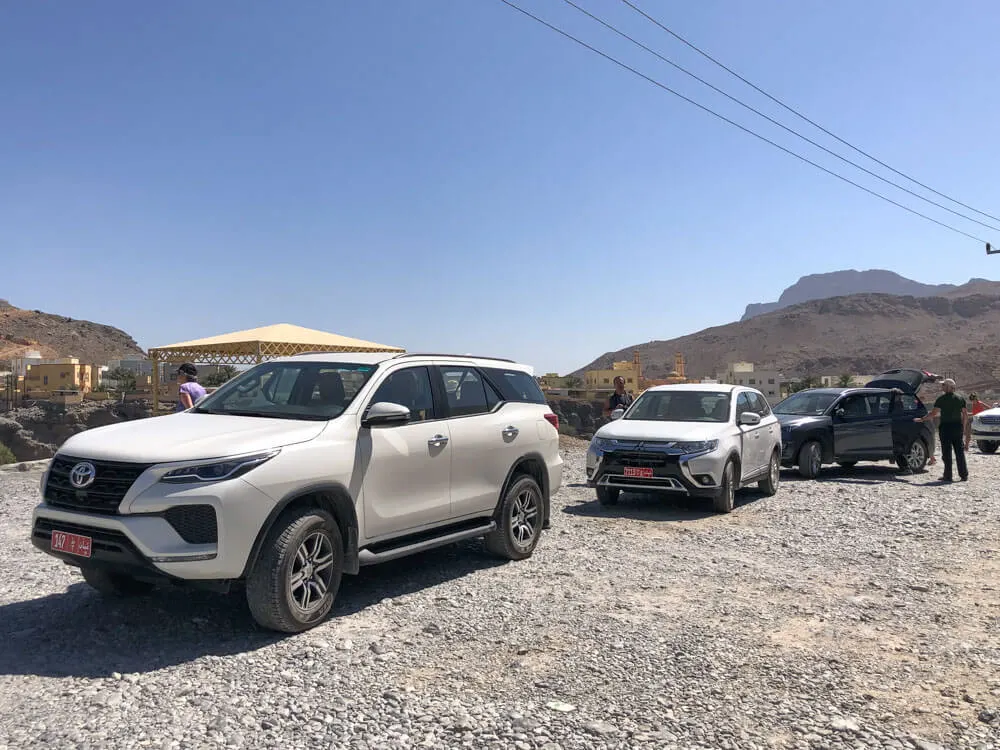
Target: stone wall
[{"x": 579, "y": 418}]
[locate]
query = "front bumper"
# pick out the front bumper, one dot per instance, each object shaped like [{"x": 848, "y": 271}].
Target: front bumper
[
  {"x": 695, "y": 476},
  {"x": 144, "y": 539},
  {"x": 983, "y": 434}
]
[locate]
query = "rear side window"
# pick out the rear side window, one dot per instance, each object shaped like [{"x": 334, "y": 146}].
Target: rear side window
[
  {"x": 466, "y": 391},
  {"x": 516, "y": 386}
]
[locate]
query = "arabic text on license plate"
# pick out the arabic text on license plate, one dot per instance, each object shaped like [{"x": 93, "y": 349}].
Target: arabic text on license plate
[
  {"x": 74, "y": 544},
  {"x": 641, "y": 472}
]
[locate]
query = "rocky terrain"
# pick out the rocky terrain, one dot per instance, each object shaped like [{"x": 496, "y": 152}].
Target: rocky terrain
[
  {"x": 858, "y": 611},
  {"x": 34, "y": 432},
  {"x": 843, "y": 283},
  {"x": 61, "y": 336},
  {"x": 956, "y": 334}
]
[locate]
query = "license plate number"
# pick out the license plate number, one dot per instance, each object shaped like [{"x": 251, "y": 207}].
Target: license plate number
[
  {"x": 73, "y": 544},
  {"x": 639, "y": 472}
]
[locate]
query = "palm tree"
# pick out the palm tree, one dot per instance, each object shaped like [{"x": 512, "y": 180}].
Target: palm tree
[{"x": 845, "y": 381}]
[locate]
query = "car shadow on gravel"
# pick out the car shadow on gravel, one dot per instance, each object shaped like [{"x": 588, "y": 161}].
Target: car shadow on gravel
[
  {"x": 872, "y": 474},
  {"x": 78, "y": 633},
  {"x": 657, "y": 507}
]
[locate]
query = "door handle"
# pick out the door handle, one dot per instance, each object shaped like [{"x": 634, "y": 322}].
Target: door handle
[
  {"x": 510, "y": 431},
  {"x": 437, "y": 441}
]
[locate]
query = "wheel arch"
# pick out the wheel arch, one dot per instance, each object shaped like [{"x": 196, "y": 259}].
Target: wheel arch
[
  {"x": 533, "y": 465},
  {"x": 329, "y": 496}
]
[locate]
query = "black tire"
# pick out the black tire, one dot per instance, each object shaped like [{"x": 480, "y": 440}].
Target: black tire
[
  {"x": 769, "y": 485},
  {"x": 810, "y": 459},
  {"x": 987, "y": 446},
  {"x": 519, "y": 521},
  {"x": 847, "y": 464},
  {"x": 117, "y": 585},
  {"x": 725, "y": 500},
  {"x": 608, "y": 495},
  {"x": 915, "y": 457},
  {"x": 302, "y": 545}
]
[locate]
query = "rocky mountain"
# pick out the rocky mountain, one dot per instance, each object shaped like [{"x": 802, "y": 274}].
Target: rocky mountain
[
  {"x": 957, "y": 333},
  {"x": 60, "y": 336},
  {"x": 843, "y": 283}
]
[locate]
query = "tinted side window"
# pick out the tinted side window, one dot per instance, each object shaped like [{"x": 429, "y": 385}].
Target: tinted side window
[
  {"x": 908, "y": 402},
  {"x": 759, "y": 404},
  {"x": 466, "y": 391},
  {"x": 515, "y": 385},
  {"x": 880, "y": 404},
  {"x": 492, "y": 396},
  {"x": 743, "y": 404},
  {"x": 411, "y": 388},
  {"x": 855, "y": 407}
]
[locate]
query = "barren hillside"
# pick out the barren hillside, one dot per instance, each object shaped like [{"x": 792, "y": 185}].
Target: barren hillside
[
  {"x": 958, "y": 333},
  {"x": 60, "y": 336}
]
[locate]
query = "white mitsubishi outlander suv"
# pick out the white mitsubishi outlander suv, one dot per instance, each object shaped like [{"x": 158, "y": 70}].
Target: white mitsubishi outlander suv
[
  {"x": 302, "y": 469},
  {"x": 698, "y": 440}
]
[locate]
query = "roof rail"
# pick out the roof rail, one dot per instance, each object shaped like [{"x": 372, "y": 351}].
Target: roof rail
[{"x": 457, "y": 356}]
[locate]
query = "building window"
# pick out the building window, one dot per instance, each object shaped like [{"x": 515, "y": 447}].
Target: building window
[
  {"x": 753, "y": 382},
  {"x": 606, "y": 381},
  {"x": 45, "y": 380},
  {"x": 770, "y": 381}
]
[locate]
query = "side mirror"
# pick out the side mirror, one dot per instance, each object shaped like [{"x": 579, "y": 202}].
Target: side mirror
[
  {"x": 385, "y": 414},
  {"x": 750, "y": 419},
  {"x": 617, "y": 414}
]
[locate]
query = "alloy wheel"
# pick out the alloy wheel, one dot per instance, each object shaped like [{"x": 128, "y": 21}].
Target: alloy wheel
[
  {"x": 524, "y": 518},
  {"x": 917, "y": 456},
  {"x": 312, "y": 571}
]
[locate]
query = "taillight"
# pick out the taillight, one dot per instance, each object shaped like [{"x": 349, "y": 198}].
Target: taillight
[{"x": 553, "y": 419}]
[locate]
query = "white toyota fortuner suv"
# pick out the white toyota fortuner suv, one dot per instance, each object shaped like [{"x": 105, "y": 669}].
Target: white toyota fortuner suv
[
  {"x": 302, "y": 469},
  {"x": 700, "y": 440}
]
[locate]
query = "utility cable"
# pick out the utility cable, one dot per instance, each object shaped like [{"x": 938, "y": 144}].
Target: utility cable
[
  {"x": 794, "y": 132},
  {"x": 712, "y": 112},
  {"x": 794, "y": 111}
]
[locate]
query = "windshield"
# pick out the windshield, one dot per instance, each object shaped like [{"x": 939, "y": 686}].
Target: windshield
[
  {"x": 289, "y": 390},
  {"x": 806, "y": 404},
  {"x": 680, "y": 406}
]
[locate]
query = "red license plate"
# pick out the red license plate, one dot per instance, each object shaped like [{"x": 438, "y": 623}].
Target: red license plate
[
  {"x": 74, "y": 544},
  {"x": 640, "y": 472}
]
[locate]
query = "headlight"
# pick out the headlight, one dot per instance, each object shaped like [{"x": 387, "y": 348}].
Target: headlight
[
  {"x": 698, "y": 446},
  {"x": 599, "y": 445},
  {"x": 218, "y": 470}
]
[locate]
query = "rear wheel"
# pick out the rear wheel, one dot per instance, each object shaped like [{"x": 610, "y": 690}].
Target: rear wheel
[
  {"x": 294, "y": 581},
  {"x": 115, "y": 584},
  {"x": 914, "y": 457},
  {"x": 725, "y": 500},
  {"x": 608, "y": 495},
  {"x": 519, "y": 524},
  {"x": 811, "y": 459},
  {"x": 769, "y": 485},
  {"x": 987, "y": 446}
]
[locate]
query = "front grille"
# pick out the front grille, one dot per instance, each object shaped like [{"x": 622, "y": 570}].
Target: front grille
[
  {"x": 638, "y": 459},
  {"x": 990, "y": 419},
  {"x": 196, "y": 524},
  {"x": 112, "y": 480}
]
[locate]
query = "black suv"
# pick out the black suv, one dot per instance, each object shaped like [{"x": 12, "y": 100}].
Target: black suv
[{"x": 846, "y": 425}]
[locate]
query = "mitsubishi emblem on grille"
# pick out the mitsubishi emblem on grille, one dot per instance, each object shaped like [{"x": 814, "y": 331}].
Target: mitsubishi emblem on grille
[{"x": 82, "y": 475}]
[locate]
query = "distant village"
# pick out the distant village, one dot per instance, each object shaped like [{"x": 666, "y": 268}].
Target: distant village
[{"x": 597, "y": 385}]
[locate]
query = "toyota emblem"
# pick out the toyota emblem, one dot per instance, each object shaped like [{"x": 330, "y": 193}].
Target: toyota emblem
[{"x": 82, "y": 475}]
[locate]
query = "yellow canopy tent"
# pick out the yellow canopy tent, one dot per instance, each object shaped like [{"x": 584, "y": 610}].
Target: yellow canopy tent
[{"x": 253, "y": 346}]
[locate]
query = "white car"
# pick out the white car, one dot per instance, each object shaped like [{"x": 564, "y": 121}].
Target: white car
[
  {"x": 986, "y": 430},
  {"x": 302, "y": 469},
  {"x": 698, "y": 440}
]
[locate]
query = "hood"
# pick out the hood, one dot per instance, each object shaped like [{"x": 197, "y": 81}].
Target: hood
[
  {"x": 994, "y": 412},
  {"x": 187, "y": 436},
  {"x": 907, "y": 380},
  {"x": 800, "y": 420},
  {"x": 636, "y": 429}
]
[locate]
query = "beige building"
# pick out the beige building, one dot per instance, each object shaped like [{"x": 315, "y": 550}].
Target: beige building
[
  {"x": 66, "y": 375},
  {"x": 833, "y": 381},
  {"x": 767, "y": 382}
]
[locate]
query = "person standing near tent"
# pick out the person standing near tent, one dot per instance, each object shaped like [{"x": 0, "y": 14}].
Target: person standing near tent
[{"x": 189, "y": 389}]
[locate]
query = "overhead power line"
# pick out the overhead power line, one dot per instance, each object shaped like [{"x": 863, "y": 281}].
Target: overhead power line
[
  {"x": 735, "y": 124},
  {"x": 781, "y": 125},
  {"x": 795, "y": 112}
]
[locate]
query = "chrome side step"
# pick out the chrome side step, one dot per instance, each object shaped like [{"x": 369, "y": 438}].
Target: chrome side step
[{"x": 367, "y": 557}]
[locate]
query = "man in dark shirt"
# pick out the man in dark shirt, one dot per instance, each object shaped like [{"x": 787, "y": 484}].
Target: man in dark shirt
[
  {"x": 952, "y": 413},
  {"x": 620, "y": 399}
]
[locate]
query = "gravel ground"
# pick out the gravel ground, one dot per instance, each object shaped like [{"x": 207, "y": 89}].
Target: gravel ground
[{"x": 859, "y": 611}]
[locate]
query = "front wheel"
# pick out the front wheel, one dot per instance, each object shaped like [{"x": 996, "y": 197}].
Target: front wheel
[
  {"x": 769, "y": 485},
  {"x": 115, "y": 584},
  {"x": 519, "y": 524},
  {"x": 914, "y": 458},
  {"x": 725, "y": 499},
  {"x": 293, "y": 584},
  {"x": 811, "y": 459},
  {"x": 987, "y": 446}
]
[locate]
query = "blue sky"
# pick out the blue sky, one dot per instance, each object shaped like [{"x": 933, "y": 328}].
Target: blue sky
[{"x": 447, "y": 175}]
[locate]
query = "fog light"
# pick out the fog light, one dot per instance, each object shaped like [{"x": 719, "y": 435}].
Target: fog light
[{"x": 704, "y": 479}]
